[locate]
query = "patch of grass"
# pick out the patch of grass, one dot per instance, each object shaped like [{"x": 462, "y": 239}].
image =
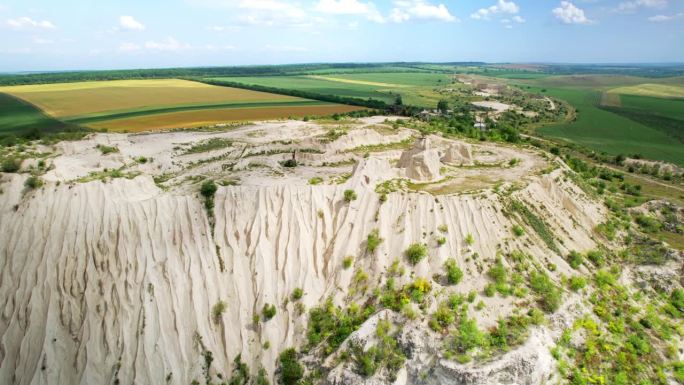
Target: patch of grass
[
  {"x": 10, "y": 165},
  {"x": 347, "y": 262},
  {"x": 373, "y": 241},
  {"x": 416, "y": 252},
  {"x": 208, "y": 145},
  {"x": 453, "y": 272},
  {"x": 297, "y": 294},
  {"x": 107, "y": 149},
  {"x": 268, "y": 311},
  {"x": 349, "y": 195},
  {"x": 33, "y": 182},
  {"x": 217, "y": 311},
  {"x": 290, "y": 371},
  {"x": 536, "y": 223},
  {"x": 315, "y": 180}
]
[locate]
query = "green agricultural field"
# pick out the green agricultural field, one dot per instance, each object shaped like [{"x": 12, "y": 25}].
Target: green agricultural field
[
  {"x": 18, "y": 117},
  {"x": 415, "y": 88},
  {"x": 604, "y": 130}
]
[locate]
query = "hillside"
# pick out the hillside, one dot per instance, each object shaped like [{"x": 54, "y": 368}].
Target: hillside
[{"x": 377, "y": 253}]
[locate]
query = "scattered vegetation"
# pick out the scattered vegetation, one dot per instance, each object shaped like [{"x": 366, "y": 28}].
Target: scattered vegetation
[{"x": 416, "y": 252}]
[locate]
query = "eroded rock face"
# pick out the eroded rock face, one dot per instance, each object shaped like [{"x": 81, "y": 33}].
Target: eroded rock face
[
  {"x": 459, "y": 153},
  {"x": 421, "y": 162}
]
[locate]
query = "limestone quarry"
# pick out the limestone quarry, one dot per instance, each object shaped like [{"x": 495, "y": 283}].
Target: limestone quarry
[{"x": 118, "y": 270}]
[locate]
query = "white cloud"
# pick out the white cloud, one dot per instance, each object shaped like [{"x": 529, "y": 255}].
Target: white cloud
[
  {"x": 285, "y": 48},
  {"x": 129, "y": 23},
  {"x": 169, "y": 44},
  {"x": 664, "y": 18},
  {"x": 568, "y": 13},
  {"x": 406, "y": 10},
  {"x": 42, "y": 41},
  {"x": 502, "y": 6},
  {"x": 26, "y": 23},
  {"x": 129, "y": 47},
  {"x": 633, "y": 5},
  {"x": 519, "y": 19},
  {"x": 349, "y": 7}
]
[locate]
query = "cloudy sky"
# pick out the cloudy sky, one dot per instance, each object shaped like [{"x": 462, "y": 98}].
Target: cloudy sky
[{"x": 103, "y": 34}]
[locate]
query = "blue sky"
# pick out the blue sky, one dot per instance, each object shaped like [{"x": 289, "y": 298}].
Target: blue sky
[{"x": 104, "y": 34}]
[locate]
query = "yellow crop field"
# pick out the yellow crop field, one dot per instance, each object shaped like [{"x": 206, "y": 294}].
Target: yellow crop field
[
  {"x": 361, "y": 82},
  {"x": 653, "y": 90},
  {"x": 189, "y": 119},
  {"x": 69, "y": 100}
]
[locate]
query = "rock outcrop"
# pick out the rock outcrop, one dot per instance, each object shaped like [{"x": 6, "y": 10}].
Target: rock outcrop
[
  {"x": 458, "y": 153},
  {"x": 421, "y": 162}
]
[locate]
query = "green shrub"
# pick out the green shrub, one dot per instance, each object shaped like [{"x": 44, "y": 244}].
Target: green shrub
[
  {"x": 453, "y": 272},
  {"x": 498, "y": 272},
  {"x": 648, "y": 223},
  {"x": 347, "y": 262},
  {"x": 349, "y": 195},
  {"x": 416, "y": 252},
  {"x": 596, "y": 257},
  {"x": 262, "y": 377},
  {"x": 218, "y": 310},
  {"x": 33, "y": 182},
  {"x": 577, "y": 283},
  {"x": 289, "y": 163},
  {"x": 11, "y": 165},
  {"x": 208, "y": 190},
  {"x": 315, "y": 180},
  {"x": 490, "y": 290},
  {"x": 550, "y": 296},
  {"x": 441, "y": 241},
  {"x": 575, "y": 259},
  {"x": 291, "y": 371},
  {"x": 269, "y": 311},
  {"x": 107, "y": 149},
  {"x": 373, "y": 241},
  {"x": 518, "y": 231},
  {"x": 469, "y": 240},
  {"x": 297, "y": 294}
]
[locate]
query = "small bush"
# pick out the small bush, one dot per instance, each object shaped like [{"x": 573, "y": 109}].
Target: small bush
[
  {"x": 297, "y": 294},
  {"x": 217, "y": 310},
  {"x": 453, "y": 272},
  {"x": 577, "y": 283},
  {"x": 347, "y": 262},
  {"x": 291, "y": 371},
  {"x": 349, "y": 195},
  {"x": 518, "y": 231},
  {"x": 107, "y": 149},
  {"x": 441, "y": 241},
  {"x": 11, "y": 165},
  {"x": 373, "y": 241},
  {"x": 416, "y": 252},
  {"x": 575, "y": 259},
  {"x": 33, "y": 182},
  {"x": 550, "y": 295},
  {"x": 315, "y": 180},
  {"x": 469, "y": 240},
  {"x": 208, "y": 189},
  {"x": 490, "y": 290},
  {"x": 290, "y": 163},
  {"x": 596, "y": 257},
  {"x": 269, "y": 311}
]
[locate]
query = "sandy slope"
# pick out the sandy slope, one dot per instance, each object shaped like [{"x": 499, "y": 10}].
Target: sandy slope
[{"x": 100, "y": 281}]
